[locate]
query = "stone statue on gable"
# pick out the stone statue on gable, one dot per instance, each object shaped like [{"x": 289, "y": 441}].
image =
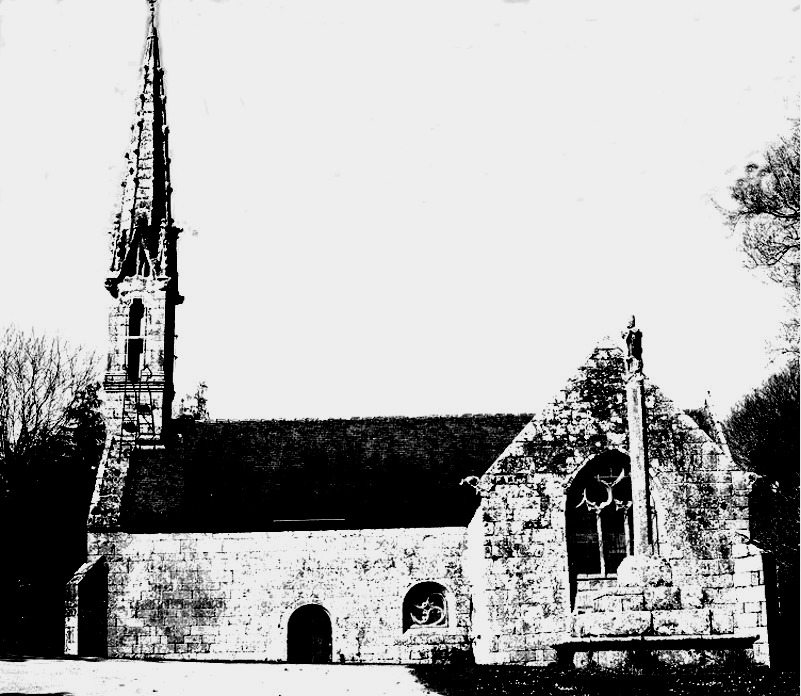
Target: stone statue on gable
[{"x": 633, "y": 338}]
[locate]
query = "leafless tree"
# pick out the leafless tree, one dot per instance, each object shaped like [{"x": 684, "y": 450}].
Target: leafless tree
[
  {"x": 194, "y": 406},
  {"x": 42, "y": 380},
  {"x": 766, "y": 218},
  {"x": 51, "y": 437}
]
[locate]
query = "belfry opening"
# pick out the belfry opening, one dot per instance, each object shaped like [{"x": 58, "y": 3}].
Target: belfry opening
[{"x": 136, "y": 340}]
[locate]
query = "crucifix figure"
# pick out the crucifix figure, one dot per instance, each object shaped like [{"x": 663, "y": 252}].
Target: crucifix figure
[{"x": 633, "y": 337}]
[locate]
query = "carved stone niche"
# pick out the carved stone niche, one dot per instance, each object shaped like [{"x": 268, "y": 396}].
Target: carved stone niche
[{"x": 425, "y": 606}]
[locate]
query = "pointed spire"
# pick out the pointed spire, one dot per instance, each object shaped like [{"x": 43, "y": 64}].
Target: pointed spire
[{"x": 143, "y": 238}]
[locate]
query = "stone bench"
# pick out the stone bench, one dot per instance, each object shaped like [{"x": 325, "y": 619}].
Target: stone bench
[{"x": 566, "y": 649}]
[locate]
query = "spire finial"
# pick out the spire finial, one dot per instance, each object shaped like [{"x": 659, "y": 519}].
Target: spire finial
[{"x": 152, "y": 5}]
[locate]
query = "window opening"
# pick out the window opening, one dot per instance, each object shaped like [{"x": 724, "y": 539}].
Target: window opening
[
  {"x": 599, "y": 524},
  {"x": 425, "y": 606},
  {"x": 135, "y": 340}
]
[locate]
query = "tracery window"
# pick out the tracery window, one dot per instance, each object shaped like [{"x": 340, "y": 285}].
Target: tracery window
[
  {"x": 425, "y": 606},
  {"x": 599, "y": 525}
]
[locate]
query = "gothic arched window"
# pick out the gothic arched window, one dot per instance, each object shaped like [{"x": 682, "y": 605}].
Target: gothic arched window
[
  {"x": 425, "y": 606},
  {"x": 135, "y": 340},
  {"x": 599, "y": 528}
]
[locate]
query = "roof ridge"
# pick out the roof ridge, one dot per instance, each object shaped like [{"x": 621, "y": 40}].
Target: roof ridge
[{"x": 367, "y": 418}]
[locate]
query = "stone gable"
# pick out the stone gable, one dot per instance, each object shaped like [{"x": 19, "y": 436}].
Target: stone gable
[{"x": 518, "y": 556}]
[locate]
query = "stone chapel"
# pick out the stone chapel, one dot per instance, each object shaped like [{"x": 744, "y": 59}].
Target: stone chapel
[{"x": 608, "y": 526}]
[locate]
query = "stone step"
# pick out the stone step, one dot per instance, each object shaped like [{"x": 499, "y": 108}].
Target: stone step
[{"x": 667, "y": 622}]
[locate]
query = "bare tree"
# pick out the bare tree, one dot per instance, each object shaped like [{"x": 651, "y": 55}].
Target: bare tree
[
  {"x": 195, "y": 406},
  {"x": 42, "y": 381},
  {"x": 766, "y": 218},
  {"x": 51, "y": 438}
]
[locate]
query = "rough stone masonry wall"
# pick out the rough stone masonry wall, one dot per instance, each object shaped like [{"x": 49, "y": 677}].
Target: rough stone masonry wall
[
  {"x": 518, "y": 550},
  {"x": 720, "y": 575},
  {"x": 155, "y": 324},
  {"x": 229, "y": 596},
  {"x": 516, "y": 564},
  {"x": 112, "y": 473},
  {"x": 522, "y": 570}
]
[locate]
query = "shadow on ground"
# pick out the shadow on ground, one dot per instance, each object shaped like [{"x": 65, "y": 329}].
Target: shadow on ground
[{"x": 545, "y": 681}]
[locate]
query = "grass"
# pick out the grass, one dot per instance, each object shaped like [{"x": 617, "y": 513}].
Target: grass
[{"x": 455, "y": 680}]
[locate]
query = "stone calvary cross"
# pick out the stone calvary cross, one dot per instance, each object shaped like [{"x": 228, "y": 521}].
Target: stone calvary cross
[{"x": 638, "y": 442}]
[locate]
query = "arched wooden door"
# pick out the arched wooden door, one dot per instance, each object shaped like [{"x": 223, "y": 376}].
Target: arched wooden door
[{"x": 309, "y": 635}]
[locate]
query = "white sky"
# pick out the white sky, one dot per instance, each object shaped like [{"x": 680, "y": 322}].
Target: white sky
[{"x": 406, "y": 207}]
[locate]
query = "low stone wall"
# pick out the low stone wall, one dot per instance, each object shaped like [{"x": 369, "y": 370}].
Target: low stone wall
[
  {"x": 644, "y": 602},
  {"x": 230, "y": 596}
]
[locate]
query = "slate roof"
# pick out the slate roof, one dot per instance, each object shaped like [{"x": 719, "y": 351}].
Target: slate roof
[{"x": 315, "y": 474}]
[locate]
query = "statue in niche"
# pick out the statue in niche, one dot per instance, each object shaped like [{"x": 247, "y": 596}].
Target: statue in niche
[{"x": 633, "y": 337}]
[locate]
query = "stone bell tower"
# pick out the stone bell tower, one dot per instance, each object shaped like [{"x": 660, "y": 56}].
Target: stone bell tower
[
  {"x": 142, "y": 277},
  {"x": 143, "y": 281}
]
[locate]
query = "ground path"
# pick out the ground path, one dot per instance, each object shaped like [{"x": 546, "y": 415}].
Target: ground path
[{"x": 134, "y": 677}]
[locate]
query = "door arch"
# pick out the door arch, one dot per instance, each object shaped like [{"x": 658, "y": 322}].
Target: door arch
[{"x": 309, "y": 635}]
